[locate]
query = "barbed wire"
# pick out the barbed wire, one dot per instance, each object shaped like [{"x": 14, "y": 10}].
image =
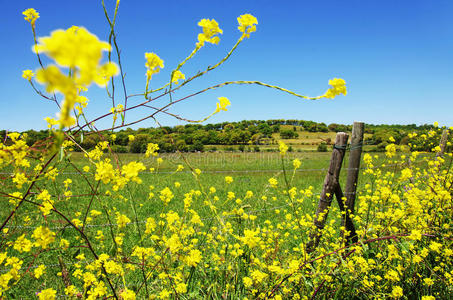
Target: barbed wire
[
  {"x": 235, "y": 171},
  {"x": 140, "y": 222}
]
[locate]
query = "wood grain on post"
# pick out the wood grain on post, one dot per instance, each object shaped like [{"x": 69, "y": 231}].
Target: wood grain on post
[
  {"x": 328, "y": 189},
  {"x": 346, "y": 221},
  {"x": 443, "y": 143},
  {"x": 355, "y": 155}
]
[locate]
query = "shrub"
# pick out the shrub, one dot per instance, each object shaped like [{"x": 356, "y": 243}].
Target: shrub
[{"x": 322, "y": 147}]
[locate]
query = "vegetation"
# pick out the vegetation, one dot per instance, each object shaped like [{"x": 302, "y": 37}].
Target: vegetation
[
  {"x": 246, "y": 136},
  {"x": 148, "y": 224}
]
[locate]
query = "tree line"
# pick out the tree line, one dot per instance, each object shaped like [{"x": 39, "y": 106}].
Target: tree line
[{"x": 194, "y": 137}]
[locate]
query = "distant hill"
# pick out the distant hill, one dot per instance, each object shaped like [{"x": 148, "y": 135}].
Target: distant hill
[{"x": 249, "y": 135}]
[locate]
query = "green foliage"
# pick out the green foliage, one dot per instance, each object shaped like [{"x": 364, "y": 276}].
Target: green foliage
[
  {"x": 288, "y": 134},
  {"x": 322, "y": 147}
]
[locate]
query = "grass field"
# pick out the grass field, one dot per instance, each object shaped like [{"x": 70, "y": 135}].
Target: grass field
[{"x": 250, "y": 172}]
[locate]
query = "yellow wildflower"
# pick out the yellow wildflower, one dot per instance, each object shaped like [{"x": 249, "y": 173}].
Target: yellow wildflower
[
  {"x": 247, "y": 24},
  {"x": 47, "y": 294},
  {"x": 247, "y": 281},
  {"x": 27, "y": 74},
  {"x": 39, "y": 271},
  {"x": 153, "y": 64},
  {"x": 151, "y": 149},
  {"x": 22, "y": 244},
  {"x": 43, "y": 236},
  {"x": 296, "y": 163},
  {"x": 273, "y": 182},
  {"x": 177, "y": 76},
  {"x": 166, "y": 195},
  {"x": 76, "y": 47},
  {"x": 20, "y": 179},
  {"x": 31, "y": 15},
  {"x": 397, "y": 292},
  {"x": 223, "y": 103},
  {"x": 210, "y": 30},
  {"x": 338, "y": 87},
  {"x": 193, "y": 258},
  {"x": 282, "y": 147}
]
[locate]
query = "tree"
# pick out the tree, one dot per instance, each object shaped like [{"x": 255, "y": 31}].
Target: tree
[{"x": 288, "y": 134}]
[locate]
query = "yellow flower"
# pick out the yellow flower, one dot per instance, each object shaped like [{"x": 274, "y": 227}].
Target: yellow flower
[
  {"x": 210, "y": 30},
  {"x": 47, "y": 294},
  {"x": 397, "y": 292},
  {"x": 247, "y": 24},
  {"x": 338, "y": 87},
  {"x": 296, "y": 163},
  {"x": 223, "y": 103},
  {"x": 258, "y": 276},
  {"x": 181, "y": 288},
  {"x": 131, "y": 170},
  {"x": 228, "y": 179},
  {"x": 282, "y": 147},
  {"x": 247, "y": 281},
  {"x": 128, "y": 294},
  {"x": 39, "y": 271},
  {"x": 273, "y": 182},
  {"x": 166, "y": 195},
  {"x": 131, "y": 137},
  {"x": 20, "y": 179},
  {"x": 31, "y": 15},
  {"x": 251, "y": 238},
  {"x": 81, "y": 51},
  {"x": 43, "y": 236},
  {"x": 122, "y": 220},
  {"x": 50, "y": 122},
  {"x": 151, "y": 149},
  {"x": 22, "y": 244},
  {"x": 177, "y": 76},
  {"x": 153, "y": 64},
  {"x": 390, "y": 150},
  {"x": 193, "y": 258},
  {"x": 428, "y": 281},
  {"x": 75, "y": 48},
  {"x": 27, "y": 74}
]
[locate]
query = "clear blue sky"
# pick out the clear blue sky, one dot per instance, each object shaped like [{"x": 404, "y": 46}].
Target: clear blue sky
[{"x": 396, "y": 57}]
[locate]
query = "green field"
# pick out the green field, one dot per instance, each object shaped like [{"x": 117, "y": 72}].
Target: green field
[{"x": 250, "y": 172}]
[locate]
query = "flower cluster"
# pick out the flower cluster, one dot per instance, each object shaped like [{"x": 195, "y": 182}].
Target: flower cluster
[
  {"x": 210, "y": 31},
  {"x": 247, "y": 24},
  {"x": 31, "y": 15},
  {"x": 338, "y": 88},
  {"x": 153, "y": 64}
]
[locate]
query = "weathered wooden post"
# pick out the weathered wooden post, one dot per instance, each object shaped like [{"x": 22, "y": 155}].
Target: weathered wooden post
[
  {"x": 355, "y": 155},
  {"x": 443, "y": 143},
  {"x": 328, "y": 190}
]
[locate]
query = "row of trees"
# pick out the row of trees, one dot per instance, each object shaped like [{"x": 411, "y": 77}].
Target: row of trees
[{"x": 194, "y": 137}]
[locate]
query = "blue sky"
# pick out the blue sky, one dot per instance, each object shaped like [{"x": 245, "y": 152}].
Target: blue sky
[{"x": 396, "y": 58}]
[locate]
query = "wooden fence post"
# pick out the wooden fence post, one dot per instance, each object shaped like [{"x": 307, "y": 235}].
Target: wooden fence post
[
  {"x": 355, "y": 155},
  {"x": 443, "y": 143},
  {"x": 329, "y": 188}
]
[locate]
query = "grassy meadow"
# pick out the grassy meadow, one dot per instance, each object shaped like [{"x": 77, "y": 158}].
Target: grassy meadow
[{"x": 249, "y": 201}]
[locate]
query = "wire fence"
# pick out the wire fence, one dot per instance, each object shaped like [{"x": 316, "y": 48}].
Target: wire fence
[{"x": 286, "y": 205}]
